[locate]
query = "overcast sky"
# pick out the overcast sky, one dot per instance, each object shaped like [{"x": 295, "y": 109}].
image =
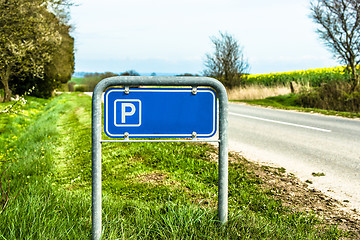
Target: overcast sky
[{"x": 173, "y": 36}]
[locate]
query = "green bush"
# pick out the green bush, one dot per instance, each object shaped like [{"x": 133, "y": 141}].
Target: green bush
[
  {"x": 334, "y": 95},
  {"x": 81, "y": 88},
  {"x": 71, "y": 86}
]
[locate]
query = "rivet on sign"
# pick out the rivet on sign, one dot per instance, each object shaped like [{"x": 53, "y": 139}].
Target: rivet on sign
[
  {"x": 127, "y": 90},
  {"x": 194, "y": 90},
  {"x": 193, "y": 135}
]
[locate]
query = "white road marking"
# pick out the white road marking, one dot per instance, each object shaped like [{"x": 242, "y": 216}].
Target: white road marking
[{"x": 279, "y": 122}]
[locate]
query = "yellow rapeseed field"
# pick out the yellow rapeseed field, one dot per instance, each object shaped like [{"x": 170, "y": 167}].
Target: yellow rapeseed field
[{"x": 311, "y": 77}]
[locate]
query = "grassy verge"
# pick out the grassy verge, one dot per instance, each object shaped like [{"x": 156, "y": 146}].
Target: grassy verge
[
  {"x": 288, "y": 102},
  {"x": 150, "y": 190}
]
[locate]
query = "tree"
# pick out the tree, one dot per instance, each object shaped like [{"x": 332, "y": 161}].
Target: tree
[
  {"x": 61, "y": 9},
  {"x": 57, "y": 70},
  {"x": 227, "y": 63},
  {"x": 31, "y": 41},
  {"x": 339, "y": 22},
  {"x": 130, "y": 73},
  {"x": 187, "y": 75},
  {"x": 17, "y": 43},
  {"x": 91, "y": 79}
]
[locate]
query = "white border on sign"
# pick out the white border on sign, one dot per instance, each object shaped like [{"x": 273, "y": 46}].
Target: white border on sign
[{"x": 164, "y": 135}]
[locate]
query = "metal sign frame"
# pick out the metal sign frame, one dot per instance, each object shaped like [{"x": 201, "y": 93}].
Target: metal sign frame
[{"x": 96, "y": 122}]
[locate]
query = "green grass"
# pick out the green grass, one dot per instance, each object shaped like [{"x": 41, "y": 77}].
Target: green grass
[
  {"x": 288, "y": 102},
  {"x": 77, "y": 80},
  {"x": 150, "y": 190}
]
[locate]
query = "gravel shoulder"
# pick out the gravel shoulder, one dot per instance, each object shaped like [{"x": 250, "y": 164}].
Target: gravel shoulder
[{"x": 301, "y": 196}]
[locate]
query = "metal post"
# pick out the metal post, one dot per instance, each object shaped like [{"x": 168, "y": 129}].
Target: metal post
[
  {"x": 157, "y": 81},
  {"x": 96, "y": 162},
  {"x": 223, "y": 157}
]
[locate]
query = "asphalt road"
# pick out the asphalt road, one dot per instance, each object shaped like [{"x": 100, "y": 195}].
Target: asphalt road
[{"x": 303, "y": 144}]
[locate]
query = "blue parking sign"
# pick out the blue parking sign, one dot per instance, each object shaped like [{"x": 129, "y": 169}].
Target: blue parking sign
[{"x": 160, "y": 113}]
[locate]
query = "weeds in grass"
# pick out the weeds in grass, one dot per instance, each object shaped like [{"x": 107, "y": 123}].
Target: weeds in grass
[{"x": 7, "y": 195}]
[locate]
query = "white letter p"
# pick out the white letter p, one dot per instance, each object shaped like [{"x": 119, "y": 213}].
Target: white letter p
[{"x": 124, "y": 113}]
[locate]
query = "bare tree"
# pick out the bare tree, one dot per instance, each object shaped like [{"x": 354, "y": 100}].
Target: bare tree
[
  {"x": 340, "y": 31},
  {"x": 227, "y": 63}
]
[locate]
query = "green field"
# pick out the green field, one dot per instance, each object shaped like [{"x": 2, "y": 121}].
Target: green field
[
  {"x": 150, "y": 190},
  {"x": 77, "y": 80}
]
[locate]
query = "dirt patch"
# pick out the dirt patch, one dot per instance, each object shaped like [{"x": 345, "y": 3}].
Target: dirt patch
[
  {"x": 153, "y": 178},
  {"x": 301, "y": 197}
]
